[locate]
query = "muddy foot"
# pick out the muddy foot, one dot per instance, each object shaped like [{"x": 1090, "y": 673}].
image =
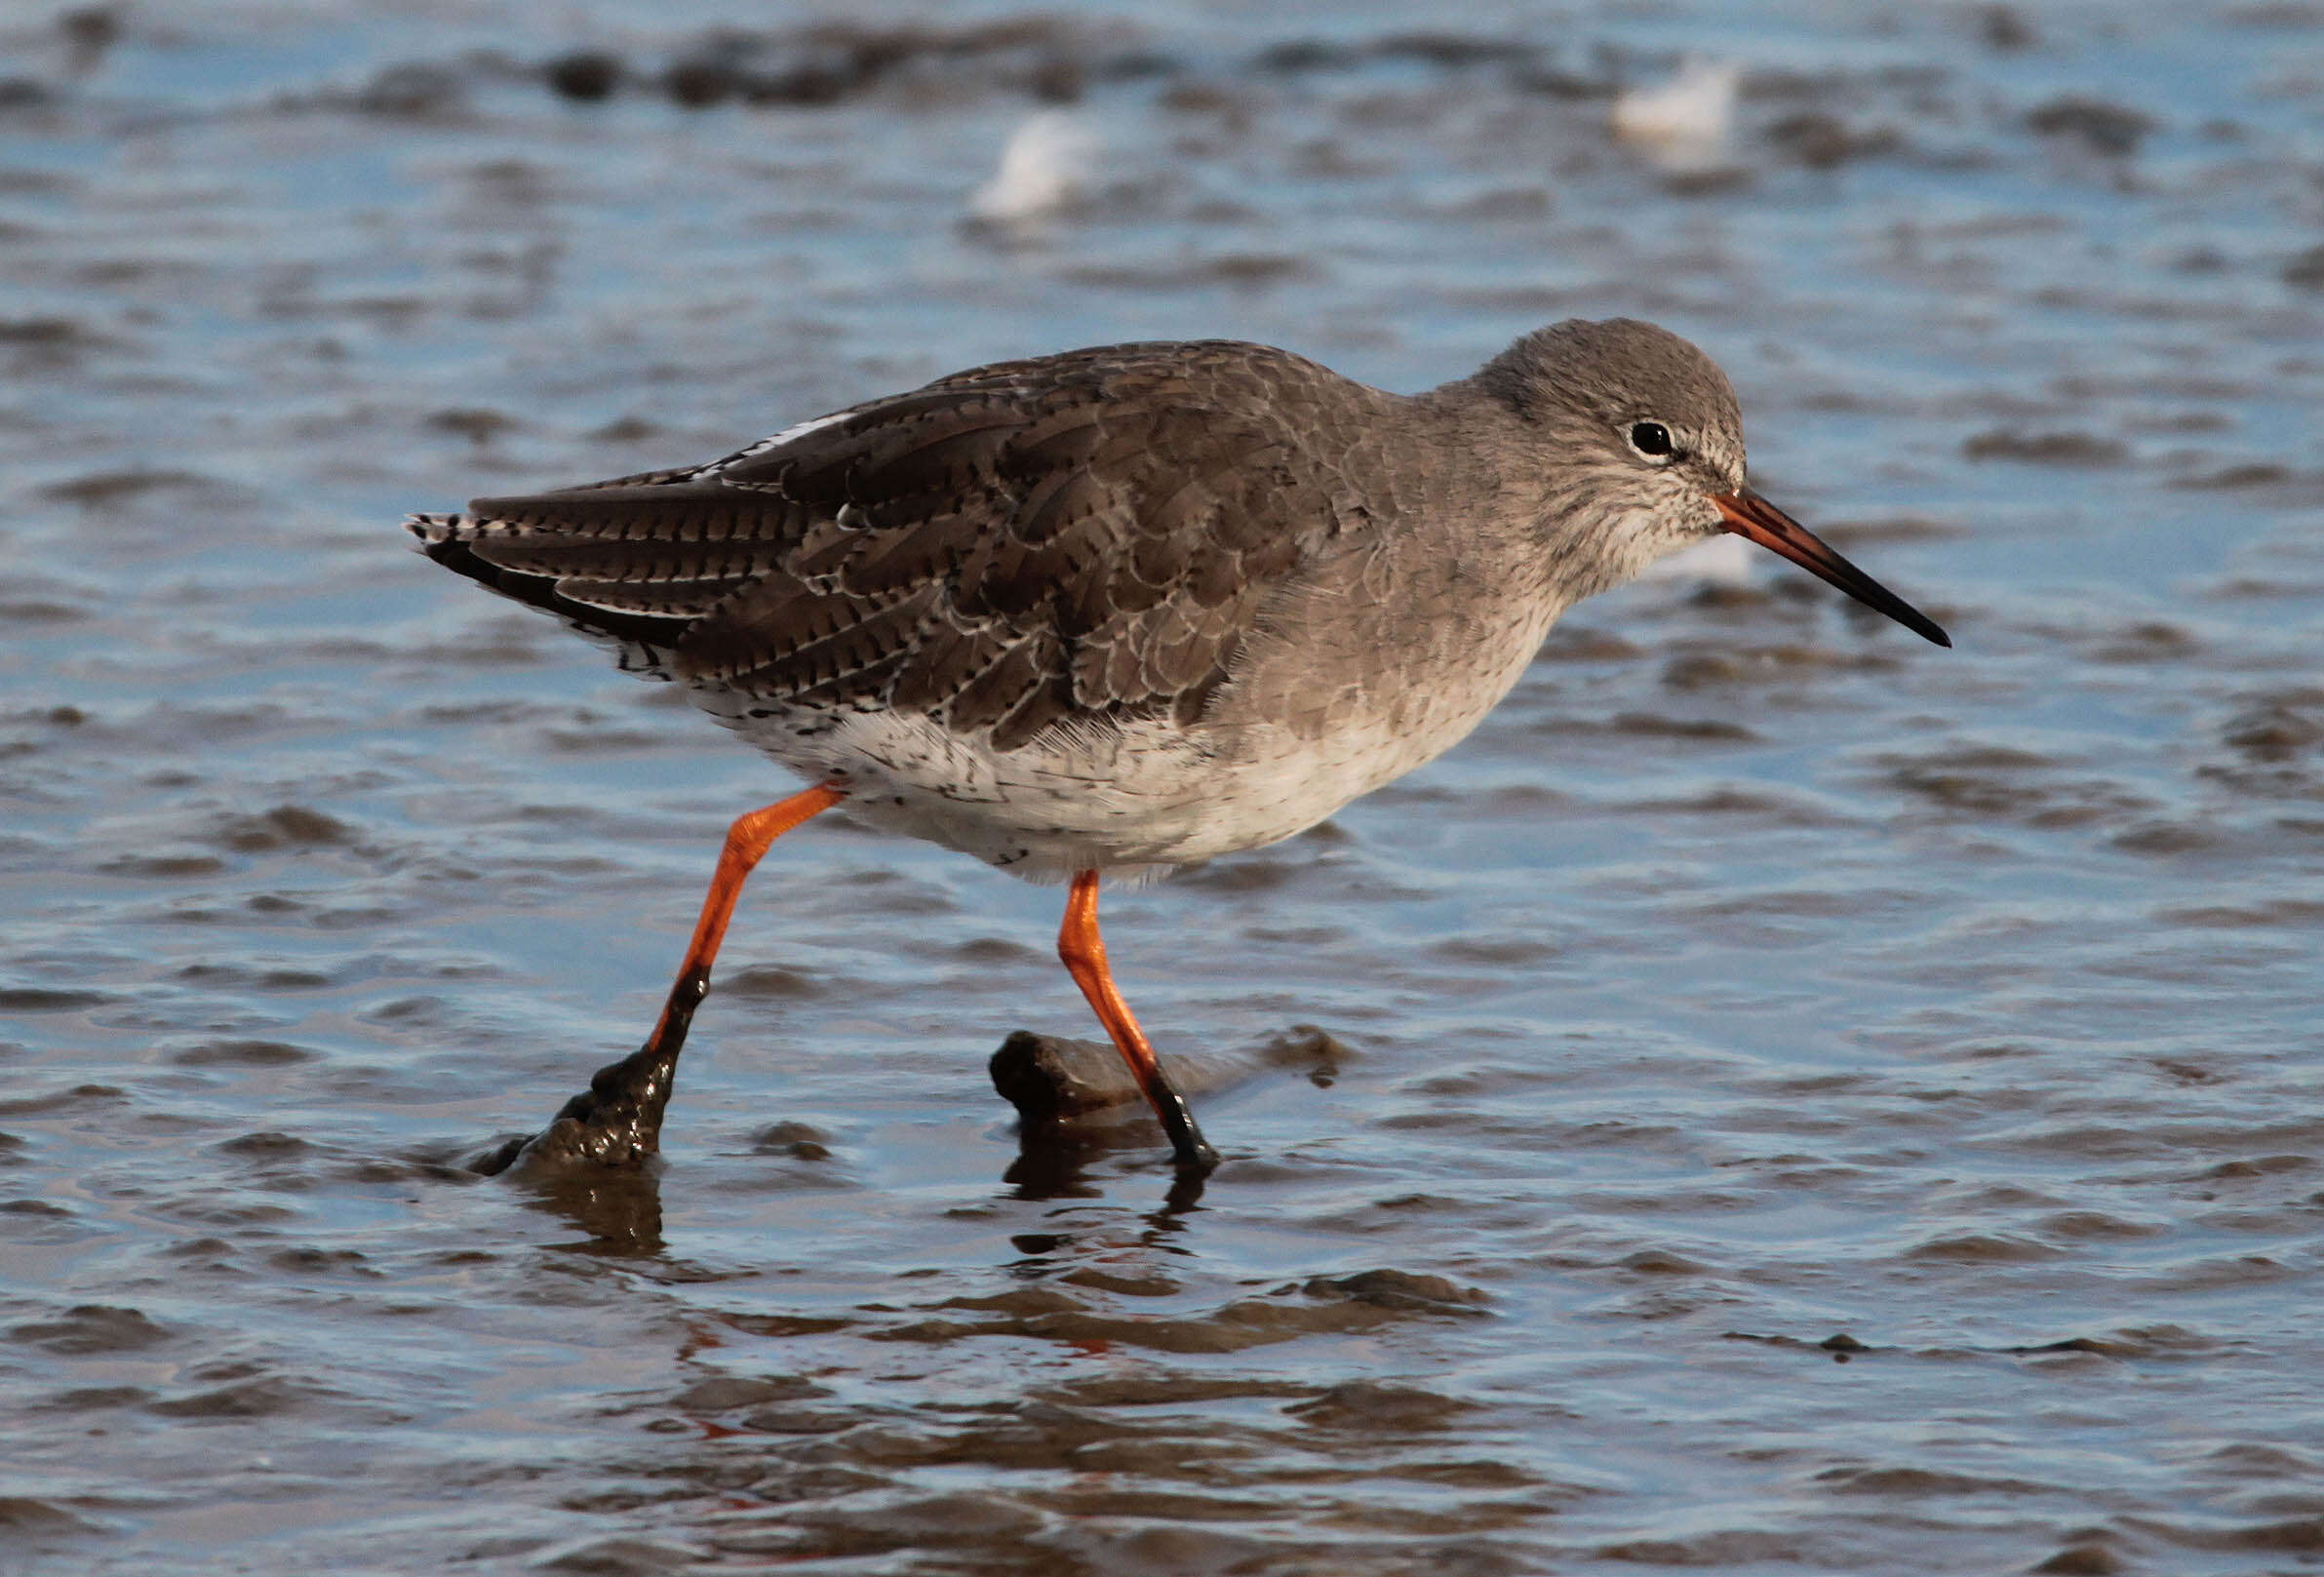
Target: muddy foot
[
  {"x": 1064, "y": 1089},
  {"x": 617, "y": 1121}
]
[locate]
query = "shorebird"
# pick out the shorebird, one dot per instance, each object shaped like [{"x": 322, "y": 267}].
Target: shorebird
[{"x": 1118, "y": 611}]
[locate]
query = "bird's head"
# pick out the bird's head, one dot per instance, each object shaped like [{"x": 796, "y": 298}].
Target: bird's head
[{"x": 1647, "y": 440}]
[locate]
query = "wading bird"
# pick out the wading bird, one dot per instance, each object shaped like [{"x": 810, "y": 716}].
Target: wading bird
[{"x": 1120, "y": 609}]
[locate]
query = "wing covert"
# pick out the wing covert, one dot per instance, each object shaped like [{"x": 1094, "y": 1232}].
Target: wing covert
[{"x": 1084, "y": 536}]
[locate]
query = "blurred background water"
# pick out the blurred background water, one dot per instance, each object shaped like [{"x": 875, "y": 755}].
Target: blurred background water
[{"x": 1809, "y": 1102}]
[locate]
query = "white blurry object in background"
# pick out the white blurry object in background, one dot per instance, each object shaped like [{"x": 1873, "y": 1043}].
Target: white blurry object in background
[
  {"x": 1681, "y": 124},
  {"x": 1044, "y": 167},
  {"x": 1723, "y": 561}
]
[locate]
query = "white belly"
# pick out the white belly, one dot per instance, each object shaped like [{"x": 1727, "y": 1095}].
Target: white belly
[{"x": 1147, "y": 795}]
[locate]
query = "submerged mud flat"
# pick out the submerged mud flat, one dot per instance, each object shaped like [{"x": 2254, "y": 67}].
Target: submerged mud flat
[{"x": 1803, "y": 1101}]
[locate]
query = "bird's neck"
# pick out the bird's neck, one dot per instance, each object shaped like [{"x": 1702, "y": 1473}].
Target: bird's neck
[{"x": 1518, "y": 501}]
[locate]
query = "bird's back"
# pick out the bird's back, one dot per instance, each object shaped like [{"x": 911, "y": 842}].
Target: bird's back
[{"x": 1081, "y": 538}]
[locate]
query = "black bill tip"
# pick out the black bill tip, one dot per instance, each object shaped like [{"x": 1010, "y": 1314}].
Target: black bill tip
[{"x": 1749, "y": 515}]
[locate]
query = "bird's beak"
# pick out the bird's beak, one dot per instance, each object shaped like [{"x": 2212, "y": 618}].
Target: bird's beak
[{"x": 1750, "y": 515}]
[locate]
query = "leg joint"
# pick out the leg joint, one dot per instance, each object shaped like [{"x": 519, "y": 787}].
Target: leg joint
[{"x": 1079, "y": 950}]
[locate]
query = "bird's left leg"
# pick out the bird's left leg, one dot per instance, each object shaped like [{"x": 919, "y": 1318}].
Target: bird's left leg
[
  {"x": 748, "y": 842},
  {"x": 618, "y": 1118}
]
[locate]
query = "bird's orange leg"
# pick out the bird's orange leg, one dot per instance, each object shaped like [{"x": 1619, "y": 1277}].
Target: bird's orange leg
[
  {"x": 617, "y": 1119},
  {"x": 1084, "y": 952},
  {"x": 748, "y": 842}
]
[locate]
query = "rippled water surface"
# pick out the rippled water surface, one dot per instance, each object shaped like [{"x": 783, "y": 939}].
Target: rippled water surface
[{"x": 1807, "y": 1101}]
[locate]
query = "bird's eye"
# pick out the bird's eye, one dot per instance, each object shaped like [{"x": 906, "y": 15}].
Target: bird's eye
[{"x": 1652, "y": 438}]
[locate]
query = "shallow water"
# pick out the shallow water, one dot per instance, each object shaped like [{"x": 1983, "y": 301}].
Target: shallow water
[{"x": 1812, "y": 1102}]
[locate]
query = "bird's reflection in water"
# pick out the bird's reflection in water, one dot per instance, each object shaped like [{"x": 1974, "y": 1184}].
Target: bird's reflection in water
[
  {"x": 620, "y": 1209},
  {"x": 617, "y": 1208},
  {"x": 1056, "y": 1162}
]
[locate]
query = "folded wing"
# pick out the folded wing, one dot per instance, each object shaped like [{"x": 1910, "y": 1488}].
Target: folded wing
[{"x": 1073, "y": 536}]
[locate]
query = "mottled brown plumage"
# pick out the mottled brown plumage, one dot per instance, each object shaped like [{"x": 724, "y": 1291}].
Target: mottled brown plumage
[
  {"x": 1132, "y": 607},
  {"x": 1087, "y": 536}
]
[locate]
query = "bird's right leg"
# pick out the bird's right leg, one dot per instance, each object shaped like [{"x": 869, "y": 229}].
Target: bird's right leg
[
  {"x": 1082, "y": 950},
  {"x": 618, "y": 1118}
]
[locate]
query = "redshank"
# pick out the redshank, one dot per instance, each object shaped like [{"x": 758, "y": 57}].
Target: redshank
[{"x": 1121, "y": 610}]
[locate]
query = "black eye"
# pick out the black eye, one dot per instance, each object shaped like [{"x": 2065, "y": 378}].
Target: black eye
[{"x": 1652, "y": 437}]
